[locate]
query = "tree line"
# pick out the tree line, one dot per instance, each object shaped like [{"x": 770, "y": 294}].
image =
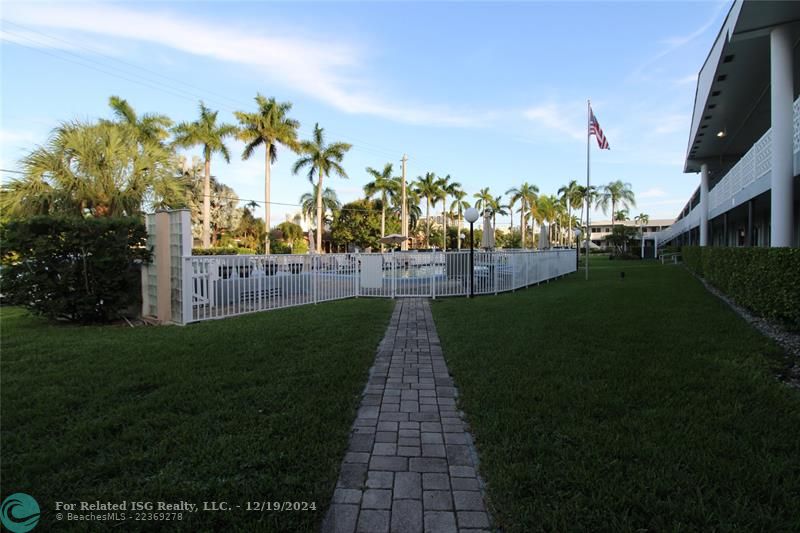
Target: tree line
[{"x": 129, "y": 164}]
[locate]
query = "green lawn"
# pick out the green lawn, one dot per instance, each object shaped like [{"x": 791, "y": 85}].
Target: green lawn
[
  {"x": 624, "y": 405},
  {"x": 248, "y": 409}
]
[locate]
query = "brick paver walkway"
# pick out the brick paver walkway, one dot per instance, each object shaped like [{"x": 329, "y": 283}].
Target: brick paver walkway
[{"x": 411, "y": 464}]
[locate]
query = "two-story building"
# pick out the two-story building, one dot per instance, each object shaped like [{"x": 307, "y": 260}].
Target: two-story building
[{"x": 745, "y": 134}]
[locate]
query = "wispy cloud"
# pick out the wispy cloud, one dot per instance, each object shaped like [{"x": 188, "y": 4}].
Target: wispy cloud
[
  {"x": 565, "y": 120},
  {"x": 15, "y": 136},
  {"x": 691, "y": 79},
  {"x": 671, "y": 123},
  {"x": 654, "y": 192},
  {"x": 675, "y": 42},
  {"x": 330, "y": 71}
]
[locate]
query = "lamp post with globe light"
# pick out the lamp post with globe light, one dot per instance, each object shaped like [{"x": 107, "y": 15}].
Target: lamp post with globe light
[{"x": 471, "y": 215}]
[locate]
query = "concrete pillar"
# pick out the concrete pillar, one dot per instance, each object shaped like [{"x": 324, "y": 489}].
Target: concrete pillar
[
  {"x": 781, "y": 99},
  {"x": 703, "y": 205}
]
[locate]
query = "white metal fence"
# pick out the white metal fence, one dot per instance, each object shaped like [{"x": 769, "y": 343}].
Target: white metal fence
[{"x": 222, "y": 286}]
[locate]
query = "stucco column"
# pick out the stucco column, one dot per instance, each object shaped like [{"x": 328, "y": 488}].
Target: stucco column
[
  {"x": 703, "y": 205},
  {"x": 781, "y": 94}
]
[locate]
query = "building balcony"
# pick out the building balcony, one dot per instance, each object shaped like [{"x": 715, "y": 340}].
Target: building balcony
[{"x": 748, "y": 178}]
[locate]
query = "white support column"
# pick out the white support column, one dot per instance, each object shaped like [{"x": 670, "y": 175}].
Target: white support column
[
  {"x": 781, "y": 99},
  {"x": 703, "y": 205}
]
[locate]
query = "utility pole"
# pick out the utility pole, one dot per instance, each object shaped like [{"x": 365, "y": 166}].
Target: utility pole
[{"x": 404, "y": 207}]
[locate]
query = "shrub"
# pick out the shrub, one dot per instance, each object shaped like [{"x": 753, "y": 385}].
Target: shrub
[
  {"x": 222, "y": 251},
  {"x": 80, "y": 269},
  {"x": 764, "y": 280}
]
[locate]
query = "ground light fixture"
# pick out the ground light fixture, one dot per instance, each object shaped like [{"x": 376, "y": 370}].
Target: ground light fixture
[{"x": 471, "y": 215}]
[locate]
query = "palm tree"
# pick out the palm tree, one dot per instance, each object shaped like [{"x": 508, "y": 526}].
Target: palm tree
[
  {"x": 291, "y": 232},
  {"x": 412, "y": 205},
  {"x": 510, "y": 205},
  {"x": 268, "y": 126},
  {"x": 428, "y": 188},
  {"x": 485, "y": 199},
  {"x": 101, "y": 169},
  {"x": 616, "y": 193},
  {"x": 546, "y": 211},
  {"x": 149, "y": 127},
  {"x": 321, "y": 159},
  {"x": 497, "y": 209},
  {"x": 526, "y": 194},
  {"x": 459, "y": 205},
  {"x": 447, "y": 187},
  {"x": 571, "y": 195},
  {"x": 211, "y": 136},
  {"x": 384, "y": 184},
  {"x": 308, "y": 202},
  {"x": 642, "y": 219}
]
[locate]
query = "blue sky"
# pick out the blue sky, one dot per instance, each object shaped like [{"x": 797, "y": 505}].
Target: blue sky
[{"x": 493, "y": 94}]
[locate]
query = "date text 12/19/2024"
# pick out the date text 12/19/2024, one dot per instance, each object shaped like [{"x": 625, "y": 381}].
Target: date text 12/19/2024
[{"x": 186, "y": 507}]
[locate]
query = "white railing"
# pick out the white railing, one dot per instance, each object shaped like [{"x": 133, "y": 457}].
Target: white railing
[
  {"x": 751, "y": 167},
  {"x": 222, "y": 286},
  {"x": 679, "y": 226},
  {"x": 754, "y": 164}
]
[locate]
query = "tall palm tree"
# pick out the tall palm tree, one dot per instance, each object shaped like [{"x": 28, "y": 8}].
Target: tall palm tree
[
  {"x": 526, "y": 194},
  {"x": 570, "y": 193},
  {"x": 308, "y": 202},
  {"x": 497, "y": 208},
  {"x": 268, "y": 126},
  {"x": 386, "y": 186},
  {"x": 412, "y": 205},
  {"x": 206, "y": 132},
  {"x": 459, "y": 205},
  {"x": 546, "y": 211},
  {"x": 510, "y": 205},
  {"x": 101, "y": 169},
  {"x": 447, "y": 187},
  {"x": 428, "y": 187},
  {"x": 150, "y": 127},
  {"x": 617, "y": 193},
  {"x": 642, "y": 219},
  {"x": 484, "y": 199},
  {"x": 321, "y": 159}
]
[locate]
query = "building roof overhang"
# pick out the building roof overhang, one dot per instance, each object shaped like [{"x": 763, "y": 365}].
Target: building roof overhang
[{"x": 732, "y": 104}]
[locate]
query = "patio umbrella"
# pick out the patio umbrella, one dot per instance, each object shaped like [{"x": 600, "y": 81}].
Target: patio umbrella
[
  {"x": 311, "y": 243},
  {"x": 543, "y": 241},
  {"x": 487, "y": 239},
  {"x": 393, "y": 238}
]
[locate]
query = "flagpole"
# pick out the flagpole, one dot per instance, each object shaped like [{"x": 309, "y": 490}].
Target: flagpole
[{"x": 588, "y": 196}]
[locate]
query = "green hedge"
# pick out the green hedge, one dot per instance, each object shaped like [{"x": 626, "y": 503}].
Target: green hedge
[
  {"x": 764, "y": 280},
  {"x": 222, "y": 251},
  {"x": 80, "y": 269}
]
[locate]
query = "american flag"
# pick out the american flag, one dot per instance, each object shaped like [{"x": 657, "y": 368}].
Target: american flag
[{"x": 597, "y": 131}]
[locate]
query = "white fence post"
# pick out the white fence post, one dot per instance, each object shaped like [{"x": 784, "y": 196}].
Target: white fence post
[
  {"x": 187, "y": 290},
  {"x": 432, "y": 277},
  {"x": 315, "y": 264},
  {"x": 357, "y": 268},
  {"x": 394, "y": 277},
  {"x": 496, "y": 263}
]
